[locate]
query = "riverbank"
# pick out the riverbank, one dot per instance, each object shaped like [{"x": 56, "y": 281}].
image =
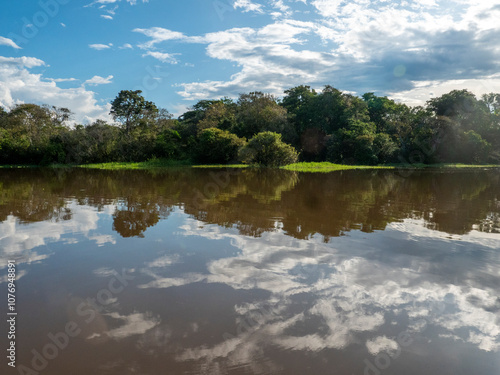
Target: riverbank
[
  {"x": 311, "y": 167},
  {"x": 324, "y": 167}
]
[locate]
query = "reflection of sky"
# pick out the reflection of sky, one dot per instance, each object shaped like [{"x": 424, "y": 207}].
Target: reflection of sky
[
  {"x": 359, "y": 289},
  {"x": 356, "y": 285},
  {"x": 28, "y": 243}
]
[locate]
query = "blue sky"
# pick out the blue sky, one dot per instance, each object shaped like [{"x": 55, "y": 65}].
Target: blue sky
[{"x": 80, "y": 54}]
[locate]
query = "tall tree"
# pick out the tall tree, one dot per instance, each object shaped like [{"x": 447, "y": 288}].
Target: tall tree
[
  {"x": 130, "y": 106},
  {"x": 258, "y": 112}
]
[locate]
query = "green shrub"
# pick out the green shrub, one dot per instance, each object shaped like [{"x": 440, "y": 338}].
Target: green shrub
[
  {"x": 216, "y": 146},
  {"x": 267, "y": 149}
]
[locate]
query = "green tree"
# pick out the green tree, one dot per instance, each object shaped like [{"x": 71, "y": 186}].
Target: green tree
[
  {"x": 492, "y": 101},
  {"x": 216, "y": 146},
  {"x": 208, "y": 114},
  {"x": 353, "y": 144},
  {"x": 130, "y": 107},
  {"x": 474, "y": 148},
  {"x": 94, "y": 143},
  {"x": 258, "y": 112},
  {"x": 316, "y": 117},
  {"x": 267, "y": 149},
  {"x": 221, "y": 114},
  {"x": 389, "y": 117},
  {"x": 463, "y": 109},
  {"x": 31, "y": 122},
  {"x": 30, "y": 128},
  {"x": 168, "y": 145},
  {"x": 298, "y": 103},
  {"x": 3, "y": 116}
]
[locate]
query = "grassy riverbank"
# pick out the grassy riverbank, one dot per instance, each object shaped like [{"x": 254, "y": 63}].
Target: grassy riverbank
[
  {"x": 150, "y": 164},
  {"x": 324, "y": 167},
  {"x": 312, "y": 167},
  {"x": 328, "y": 167}
]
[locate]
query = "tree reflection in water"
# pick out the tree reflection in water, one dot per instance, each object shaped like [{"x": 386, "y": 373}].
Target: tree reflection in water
[{"x": 256, "y": 201}]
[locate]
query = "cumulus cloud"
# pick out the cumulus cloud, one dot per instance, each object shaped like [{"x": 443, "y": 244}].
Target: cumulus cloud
[
  {"x": 98, "y": 80},
  {"x": 248, "y": 6},
  {"x": 266, "y": 57},
  {"x": 158, "y": 35},
  {"x": 8, "y": 42},
  {"x": 28, "y": 62},
  {"x": 408, "y": 50},
  {"x": 425, "y": 90},
  {"x": 20, "y": 85},
  {"x": 327, "y": 8},
  {"x": 390, "y": 48}
]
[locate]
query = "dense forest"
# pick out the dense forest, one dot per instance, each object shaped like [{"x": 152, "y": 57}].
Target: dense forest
[{"x": 259, "y": 128}]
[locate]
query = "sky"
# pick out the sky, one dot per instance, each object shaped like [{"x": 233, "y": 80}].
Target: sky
[{"x": 80, "y": 54}]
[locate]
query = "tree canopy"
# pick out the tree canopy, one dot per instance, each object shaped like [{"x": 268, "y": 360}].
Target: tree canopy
[
  {"x": 304, "y": 124},
  {"x": 129, "y": 107}
]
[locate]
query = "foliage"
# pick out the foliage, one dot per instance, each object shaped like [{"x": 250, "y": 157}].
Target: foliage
[
  {"x": 258, "y": 112},
  {"x": 330, "y": 125},
  {"x": 217, "y": 146},
  {"x": 168, "y": 145},
  {"x": 130, "y": 108},
  {"x": 267, "y": 149}
]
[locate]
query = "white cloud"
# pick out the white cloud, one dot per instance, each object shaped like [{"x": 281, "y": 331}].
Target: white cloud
[
  {"x": 268, "y": 61},
  {"x": 327, "y": 8},
  {"x": 8, "y": 42},
  {"x": 280, "y": 5},
  {"x": 19, "y": 85},
  {"x": 158, "y": 35},
  {"x": 110, "y": 7},
  {"x": 163, "y": 57},
  {"x": 423, "y": 91},
  {"x": 248, "y": 6},
  {"x": 126, "y": 46},
  {"x": 98, "y": 80},
  {"x": 62, "y": 79},
  {"x": 134, "y": 2},
  {"x": 380, "y": 46},
  {"x": 100, "y": 47},
  {"x": 28, "y": 62},
  {"x": 103, "y": 2},
  {"x": 107, "y": 2}
]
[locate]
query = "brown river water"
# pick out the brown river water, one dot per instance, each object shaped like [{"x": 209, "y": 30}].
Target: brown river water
[{"x": 189, "y": 271}]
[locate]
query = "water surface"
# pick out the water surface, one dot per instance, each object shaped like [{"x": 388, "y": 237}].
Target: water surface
[{"x": 253, "y": 272}]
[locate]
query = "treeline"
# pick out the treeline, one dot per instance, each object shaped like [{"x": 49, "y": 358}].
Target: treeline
[{"x": 262, "y": 129}]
